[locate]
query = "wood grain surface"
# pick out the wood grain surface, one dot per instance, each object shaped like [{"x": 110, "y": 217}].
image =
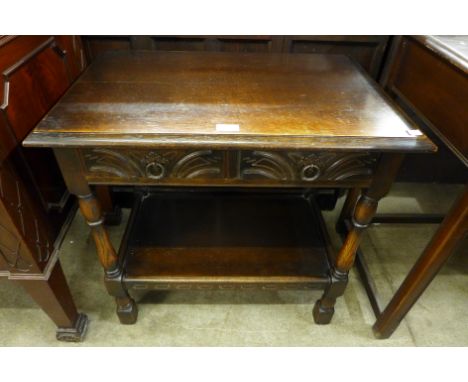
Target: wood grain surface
[{"x": 180, "y": 98}]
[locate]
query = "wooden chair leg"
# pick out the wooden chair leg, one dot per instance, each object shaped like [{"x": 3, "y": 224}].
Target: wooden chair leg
[
  {"x": 55, "y": 299},
  {"x": 450, "y": 233}
]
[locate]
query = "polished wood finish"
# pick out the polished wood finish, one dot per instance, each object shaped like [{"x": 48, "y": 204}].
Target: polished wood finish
[
  {"x": 71, "y": 166},
  {"x": 54, "y": 297},
  {"x": 453, "y": 229},
  {"x": 427, "y": 76},
  {"x": 35, "y": 207},
  {"x": 36, "y": 71},
  {"x": 277, "y": 101},
  {"x": 89, "y": 207},
  {"x": 237, "y": 122},
  {"x": 33, "y": 58},
  {"x": 29, "y": 254},
  {"x": 347, "y": 210},
  {"x": 368, "y": 51},
  {"x": 361, "y": 217},
  {"x": 445, "y": 110}
]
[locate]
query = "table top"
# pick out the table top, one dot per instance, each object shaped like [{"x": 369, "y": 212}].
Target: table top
[{"x": 226, "y": 100}]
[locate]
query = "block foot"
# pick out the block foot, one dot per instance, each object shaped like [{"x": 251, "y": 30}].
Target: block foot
[{"x": 75, "y": 334}]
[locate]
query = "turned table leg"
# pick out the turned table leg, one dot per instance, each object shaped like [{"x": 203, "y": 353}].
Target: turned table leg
[
  {"x": 361, "y": 217},
  {"x": 450, "y": 233},
  {"x": 112, "y": 212},
  {"x": 55, "y": 299},
  {"x": 69, "y": 162},
  {"x": 348, "y": 209}
]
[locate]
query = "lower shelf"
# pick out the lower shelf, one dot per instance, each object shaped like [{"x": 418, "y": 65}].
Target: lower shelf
[{"x": 225, "y": 240}]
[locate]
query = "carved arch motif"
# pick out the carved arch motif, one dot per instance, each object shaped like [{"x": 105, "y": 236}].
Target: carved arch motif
[
  {"x": 306, "y": 167},
  {"x": 154, "y": 164}
]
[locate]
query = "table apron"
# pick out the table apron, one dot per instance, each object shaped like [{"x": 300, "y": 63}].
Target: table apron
[{"x": 195, "y": 167}]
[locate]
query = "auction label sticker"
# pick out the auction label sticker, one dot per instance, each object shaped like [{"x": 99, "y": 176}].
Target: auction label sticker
[{"x": 227, "y": 127}]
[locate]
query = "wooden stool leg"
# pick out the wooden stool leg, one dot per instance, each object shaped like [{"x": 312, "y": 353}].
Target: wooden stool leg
[
  {"x": 450, "y": 233},
  {"x": 90, "y": 207},
  {"x": 362, "y": 216},
  {"x": 54, "y": 297}
]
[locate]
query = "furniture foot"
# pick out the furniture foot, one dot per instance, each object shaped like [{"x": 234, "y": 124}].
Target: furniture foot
[
  {"x": 76, "y": 333},
  {"x": 127, "y": 310},
  {"x": 322, "y": 314},
  {"x": 55, "y": 299},
  {"x": 325, "y": 307}
]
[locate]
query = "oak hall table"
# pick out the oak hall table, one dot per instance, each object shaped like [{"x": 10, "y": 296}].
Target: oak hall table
[{"x": 226, "y": 150}]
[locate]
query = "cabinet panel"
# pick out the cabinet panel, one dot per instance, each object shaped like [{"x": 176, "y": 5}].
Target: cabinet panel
[
  {"x": 26, "y": 239},
  {"x": 432, "y": 90},
  {"x": 366, "y": 50},
  {"x": 36, "y": 72}
]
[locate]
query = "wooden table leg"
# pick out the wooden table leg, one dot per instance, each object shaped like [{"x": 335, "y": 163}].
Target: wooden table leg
[
  {"x": 347, "y": 210},
  {"x": 70, "y": 164},
  {"x": 450, "y": 233},
  {"x": 112, "y": 212},
  {"x": 363, "y": 213},
  {"x": 55, "y": 299}
]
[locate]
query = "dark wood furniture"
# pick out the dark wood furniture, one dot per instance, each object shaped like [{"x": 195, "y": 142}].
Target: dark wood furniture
[
  {"x": 368, "y": 51},
  {"x": 35, "y": 206},
  {"x": 226, "y": 150},
  {"x": 428, "y": 77}
]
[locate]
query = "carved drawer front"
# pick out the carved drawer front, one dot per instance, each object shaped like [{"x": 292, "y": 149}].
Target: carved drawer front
[
  {"x": 306, "y": 167},
  {"x": 153, "y": 166},
  {"x": 230, "y": 167}
]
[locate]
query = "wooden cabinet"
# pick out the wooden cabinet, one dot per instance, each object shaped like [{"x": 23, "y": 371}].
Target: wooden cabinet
[
  {"x": 428, "y": 80},
  {"x": 34, "y": 202},
  {"x": 36, "y": 71}
]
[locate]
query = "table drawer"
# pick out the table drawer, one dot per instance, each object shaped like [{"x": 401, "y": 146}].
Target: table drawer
[{"x": 227, "y": 167}]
